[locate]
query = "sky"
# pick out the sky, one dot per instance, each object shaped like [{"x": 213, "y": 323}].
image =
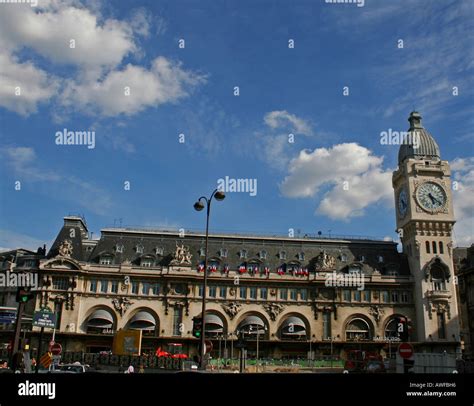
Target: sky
[{"x": 289, "y": 96}]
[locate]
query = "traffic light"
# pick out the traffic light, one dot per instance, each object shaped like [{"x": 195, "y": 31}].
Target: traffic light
[
  {"x": 23, "y": 295},
  {"x": 197, "y": 327}
]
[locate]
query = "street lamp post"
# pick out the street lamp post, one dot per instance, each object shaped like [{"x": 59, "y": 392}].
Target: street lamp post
[
  {"x": 258, "y": 335},
  {"x": 199, "y": 205}
]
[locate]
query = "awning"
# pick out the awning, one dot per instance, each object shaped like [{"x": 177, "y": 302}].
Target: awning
[
  {"x": 214, "y": 324},
  {"x": 143, "y": 321},
  {"x": 251, "y": 324},
  {"x": 100, "y": 319},
  {"x": 293, "y": 326}
]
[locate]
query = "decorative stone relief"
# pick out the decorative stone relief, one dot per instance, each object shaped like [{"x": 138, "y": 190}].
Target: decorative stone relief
[
  {"x": 232, "y": 308},
  {"x": 121, "y": 304},
  {"x": 273, "y": 310}
]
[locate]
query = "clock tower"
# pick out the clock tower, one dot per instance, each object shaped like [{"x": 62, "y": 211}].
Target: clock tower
[{"x": 425, "y": 220}]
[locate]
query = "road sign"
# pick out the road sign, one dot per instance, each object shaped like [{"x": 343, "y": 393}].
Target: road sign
[
  {"x": 46, "y": 360},
  {"x": 405, "y": 350},
  {"x": 44, "y": 318},
  {"x": 56, "y": 349}
]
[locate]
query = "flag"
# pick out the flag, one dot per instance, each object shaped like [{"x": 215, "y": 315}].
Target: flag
[
  {"x": 242, "y": 269},
  {"x": 200, "y": 268}
]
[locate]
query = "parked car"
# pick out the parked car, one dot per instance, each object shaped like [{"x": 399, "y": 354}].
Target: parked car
[
  {"x": 375, "y": 366},
  {"x": 76, "y": 368}
]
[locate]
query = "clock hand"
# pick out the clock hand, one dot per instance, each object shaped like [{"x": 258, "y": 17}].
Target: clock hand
[{"x": 431, "y": 197}]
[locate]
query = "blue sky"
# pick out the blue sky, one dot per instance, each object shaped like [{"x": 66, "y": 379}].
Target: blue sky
[{"x": 190, "y": 91}]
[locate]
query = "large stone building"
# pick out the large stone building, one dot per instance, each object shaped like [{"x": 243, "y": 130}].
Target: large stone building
[{"x": 273, "y": 289}]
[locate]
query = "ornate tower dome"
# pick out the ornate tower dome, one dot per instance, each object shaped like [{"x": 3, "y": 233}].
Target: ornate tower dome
[{"x": 427, "y": 146}]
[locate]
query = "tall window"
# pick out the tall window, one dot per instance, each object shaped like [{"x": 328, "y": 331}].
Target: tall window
[
  {"x": 441, "y": 248},
  {"x": 356, "y": 295},
  {"x": 223, "y": 253},
  {"x": 441, "y": 326},
  {"x": 104, "y": 284},
  {"x": 263, "y": 254},
  {"x": 253, "y": 292},
  {"x": 283, "y": 294},
  {"x": 135, "y": 286},
  {"x": 145, "y": 288},
  {"x": 223, "y": 292},
  {"x": 435, "y": 251},
  {"x": 427, "y": 244},
  {"x": 243, "y": 292},
  {"x": 156, "y": 289},
  {"x": 282, "y": 254},
  {"x": 263, "y": 293},
  {"x": 114, "y": 286},
  {"x": 60, "y": 283},
  {"x": 243, "y": 254},
  {"x": 201, "y": 290},
  {"x": 326, "y": 325},
  {"x": 346, "y": 294},
  {"x": 384, "y": 295},
  {"x": 304, "y": 294},
  {"x": 212, "y": 291},
  {"x": 366, "y": 296},
  {"x": 394, "y": 296},
  {"x": 93, "y": 285},
  {"x": 301, "y": 256},
  {"x": 177, "y": 320},
  {"x": 293, "y": 294},
  {"x": 404, "y": 298}
]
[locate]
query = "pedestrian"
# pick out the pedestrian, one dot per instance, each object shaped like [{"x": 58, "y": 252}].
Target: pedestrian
[
  {"x": 142, "y": 369},
  {"x": 130, "y": 369}
]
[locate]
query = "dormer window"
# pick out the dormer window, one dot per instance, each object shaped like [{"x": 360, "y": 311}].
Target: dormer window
[
  {"x": 354, "y": 270},
  {"x": 301, "y": 256},
  {"x": 361, "y": 258},
  {"x": 243, "y": 254},
  {"x": 146, "y": 262},
  {"x": 159, "y": 251},
  {"x": 380, "y": 259},
  {"x": 105, "y": 260},
  {"x": 282, "y": 255},
  {"x": 263, "y": 254},
  {"x": 202, "y": 252},
  {"x": 393, "y": 272},
  {"x": 139, "y": 249},
  {"x": 119, "y": 248},
  {"x": 343, "y": 258},
  {"x": 223, "y": 252}
]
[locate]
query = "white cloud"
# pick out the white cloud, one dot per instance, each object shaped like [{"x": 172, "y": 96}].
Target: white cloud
[
  {"x": 96, "y": 85},
  {"x": 163, "y": 82},
  {"x": 281, "y": 119},
  {"x": 354, "y": 176},
  {"x": 49, "y": 29},
  {"x": 23, "y": 86},
  {"x": 463, "y": 198}
]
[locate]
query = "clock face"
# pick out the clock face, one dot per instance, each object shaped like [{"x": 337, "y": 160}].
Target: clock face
[
  {"x": 402, "y": 203},
  {"x": 431, "y": 196}
]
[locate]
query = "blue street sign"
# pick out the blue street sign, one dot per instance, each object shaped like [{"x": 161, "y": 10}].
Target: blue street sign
[{"x": 44, "y": 318}]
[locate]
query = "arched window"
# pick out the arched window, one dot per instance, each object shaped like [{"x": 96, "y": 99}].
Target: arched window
[
  {"x": 435, "y": 251},
  {"x": 391, "y": 330},
  {"x": 427, "y": 243},
  {"x": 293, "y": 328},
  {"x": 358, "y": 329},
  {"x": 441, "y": 248},
  {"x": 438, "y": 278}
]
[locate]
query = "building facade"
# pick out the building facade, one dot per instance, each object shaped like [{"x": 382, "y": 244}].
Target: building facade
[{"x": 287, "y": 296}]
